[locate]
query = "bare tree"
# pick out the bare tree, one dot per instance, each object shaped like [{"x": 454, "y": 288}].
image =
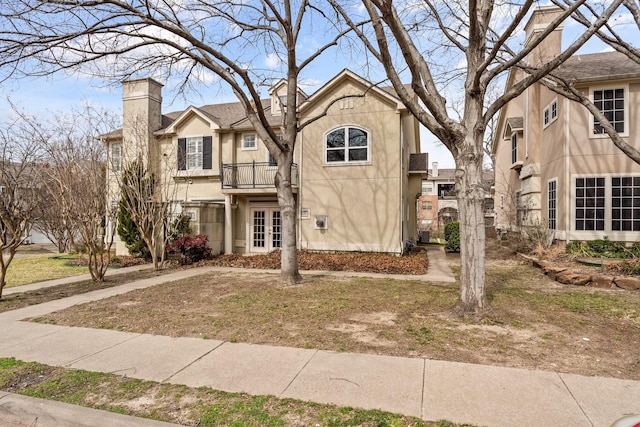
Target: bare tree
[
  {"x": 479, "y": 40},
  {"x": 75, "y": 178},
  {"x": 71, "y": 179},
  {"x": 19, "y": 191},
  {"x": 190, "y": 39}
]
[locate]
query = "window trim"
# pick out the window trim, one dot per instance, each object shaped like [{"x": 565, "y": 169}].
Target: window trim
[
  {"x": 244, "y": 140},
  {"x": 548, "y": 116},
  {"x": 627, "y": 121},
  {"x": 514, "y": 148},
  {"x": 346, "y": 161}
]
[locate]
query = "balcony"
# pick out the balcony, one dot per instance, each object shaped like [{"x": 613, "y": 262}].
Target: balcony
[{"x": 253, "y": 175}]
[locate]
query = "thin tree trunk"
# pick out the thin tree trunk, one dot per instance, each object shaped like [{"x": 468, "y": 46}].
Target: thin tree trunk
[
  {"x": 470, "y": 195},
  {"x": 4, "y": 266},
  {"x": 289, "y": 273}
]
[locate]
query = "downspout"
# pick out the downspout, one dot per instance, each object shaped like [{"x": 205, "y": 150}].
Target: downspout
[
  {"x": 567, "y": 172},
  {"x": 401, "y": 183},
  {"x": 299, "y": 207},
  {"x": 526, "y": 126}
]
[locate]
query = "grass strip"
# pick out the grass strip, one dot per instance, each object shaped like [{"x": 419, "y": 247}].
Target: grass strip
[{"x": 184, "y": 405}]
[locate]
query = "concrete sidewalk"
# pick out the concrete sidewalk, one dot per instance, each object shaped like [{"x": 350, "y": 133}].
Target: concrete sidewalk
[{"x": 482, "y": 395}]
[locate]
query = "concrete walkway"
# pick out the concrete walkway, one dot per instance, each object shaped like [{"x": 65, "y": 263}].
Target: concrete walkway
[{"x": 433, "y": 390}]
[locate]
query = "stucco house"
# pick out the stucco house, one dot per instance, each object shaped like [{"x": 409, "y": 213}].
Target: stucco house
[
  {"x": 555, "y": 166},
  {"x": 357, "y": 169}
]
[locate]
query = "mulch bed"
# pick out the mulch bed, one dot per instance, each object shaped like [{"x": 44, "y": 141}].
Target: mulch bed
[{"x": 415, "y": 263}]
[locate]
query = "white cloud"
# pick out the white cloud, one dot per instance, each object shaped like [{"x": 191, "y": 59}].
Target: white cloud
[{"x": 272, "y": 61}]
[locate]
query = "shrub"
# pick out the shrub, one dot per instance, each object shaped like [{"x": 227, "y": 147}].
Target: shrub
[
  {"x": 180, "y": 227},
  {"x": 191, "y": 248},
  {"x": 603, "y": 248},
  {"x": 452, "y": 236}
]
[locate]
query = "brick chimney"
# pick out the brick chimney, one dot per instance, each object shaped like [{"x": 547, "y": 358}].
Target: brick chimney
[{"x": 551, "y": 46}]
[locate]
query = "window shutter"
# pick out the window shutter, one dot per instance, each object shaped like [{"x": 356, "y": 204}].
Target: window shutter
[
  {"x": 206, "y": 152},
  {"x": 182, "y": 154}
]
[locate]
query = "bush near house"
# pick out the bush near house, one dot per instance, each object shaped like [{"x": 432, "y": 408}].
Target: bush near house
[
  {"x": 603, "y": 248},
  {"x": 191, "y": 248},
  {"x": 452, "y": 236}
]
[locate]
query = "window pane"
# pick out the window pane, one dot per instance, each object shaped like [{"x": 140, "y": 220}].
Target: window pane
[
  {"x": 357, "y": 138},
  {"x": 335, "y": 139},
  {"x": 335, "y": 155},
  {"x": 358, "y": 155}
]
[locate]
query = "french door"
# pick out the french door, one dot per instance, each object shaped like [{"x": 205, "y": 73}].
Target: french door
[{"x": 266, "y": 229}]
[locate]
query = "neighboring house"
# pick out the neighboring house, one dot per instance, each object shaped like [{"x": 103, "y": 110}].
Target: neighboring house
[
  {"x": 437, "y": 204},
  {"x": 555, "y": 167},
  {"x": 356, "y": 173}
]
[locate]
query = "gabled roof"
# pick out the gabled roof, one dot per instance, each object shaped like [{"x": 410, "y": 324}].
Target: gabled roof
[
  {"x": 227, "y": 115},
  {"x": 599, "y": 66},
  {"x": 346, "y": 75},
  {"x": 511, "y": 125},
  {"x": 232, "y": 115}
]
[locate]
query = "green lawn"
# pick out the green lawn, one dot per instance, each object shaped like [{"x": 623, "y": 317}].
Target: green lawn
[{"x": 38, "y": 268}]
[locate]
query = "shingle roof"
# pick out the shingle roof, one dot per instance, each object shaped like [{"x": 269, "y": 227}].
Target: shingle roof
[
  {"x": 516, "y": 123},
  {"x": 599, "y": 66}
]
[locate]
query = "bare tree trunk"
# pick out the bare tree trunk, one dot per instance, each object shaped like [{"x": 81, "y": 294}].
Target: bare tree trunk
[
  {"x": 4, "y": 266},
  {"x": 289, "y": 273},
  {"x": 470, "y": 196}
]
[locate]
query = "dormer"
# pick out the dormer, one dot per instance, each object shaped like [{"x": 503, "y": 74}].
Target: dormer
[{"x": 278, "y": 94}]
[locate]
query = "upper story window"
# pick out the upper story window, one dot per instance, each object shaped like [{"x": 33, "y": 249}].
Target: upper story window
[
  {"x": 272, "y": 160},
  {"x": 611, "y": 102},
  {"x": 346, "y": 145},
  {"x": 116, "y": 156},
  {"x": 249, "y": 142},
  {"x": 514, "y": 148},
  {"x": 427, "y": 206},
  {"x": 550, "y": 113},
  {"x": 427, "y": 187},
  {"x": 194, "y": 153}
]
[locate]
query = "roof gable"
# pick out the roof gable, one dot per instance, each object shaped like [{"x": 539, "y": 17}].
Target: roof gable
[
  {"x": 349, "y": 76},
  {"x": 214, "y": 122}
]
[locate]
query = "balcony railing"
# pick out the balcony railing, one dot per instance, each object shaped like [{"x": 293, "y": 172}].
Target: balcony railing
[{"x": 253, "y": 175}]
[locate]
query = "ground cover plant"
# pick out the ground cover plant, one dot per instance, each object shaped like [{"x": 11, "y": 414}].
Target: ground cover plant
[
  {"x": 201, "y": 407},
  {"x": 534, "y": 322}
]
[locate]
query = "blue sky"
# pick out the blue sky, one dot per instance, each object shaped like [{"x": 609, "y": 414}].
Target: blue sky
[{"x": 60, "y": 92}]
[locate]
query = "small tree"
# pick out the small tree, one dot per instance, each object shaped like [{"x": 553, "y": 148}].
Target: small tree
[
  {"x": 19, "y": 191},
  {"x": 148, "y": 209},
  {"x": 129, "y": 233}
]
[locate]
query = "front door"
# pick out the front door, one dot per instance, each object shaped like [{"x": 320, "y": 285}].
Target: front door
[{"x": 266, "y": 229}]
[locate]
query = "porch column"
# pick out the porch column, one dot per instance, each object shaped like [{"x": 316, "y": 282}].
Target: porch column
[{"x": 228, "y": 225}]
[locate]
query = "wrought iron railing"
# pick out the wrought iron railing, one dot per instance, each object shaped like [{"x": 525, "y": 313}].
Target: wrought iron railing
[{"x": 253, "y": 175}]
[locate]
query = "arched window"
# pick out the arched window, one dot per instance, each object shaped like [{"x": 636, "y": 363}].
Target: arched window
[{"x": 347, "y": 145}]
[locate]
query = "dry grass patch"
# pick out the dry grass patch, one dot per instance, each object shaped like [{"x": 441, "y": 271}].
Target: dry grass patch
[
  {"x": 534, "y": 323},
  {"x": 25, "y": 299}
]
